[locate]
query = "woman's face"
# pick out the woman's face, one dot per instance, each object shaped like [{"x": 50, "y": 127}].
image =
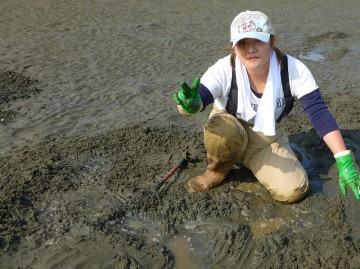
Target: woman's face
[{"x": 253, "y": 54}]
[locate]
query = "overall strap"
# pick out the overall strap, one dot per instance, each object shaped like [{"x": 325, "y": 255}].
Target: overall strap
[
  {"x": 231, "y": 106},
  {"x": 289, "y": 99}
]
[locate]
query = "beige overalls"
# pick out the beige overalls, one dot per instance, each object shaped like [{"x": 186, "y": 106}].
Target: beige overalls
[{"x": 270, "y": 158}]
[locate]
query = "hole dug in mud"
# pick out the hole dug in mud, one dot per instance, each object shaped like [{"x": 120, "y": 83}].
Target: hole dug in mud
[{"x": 327, "y": 46}]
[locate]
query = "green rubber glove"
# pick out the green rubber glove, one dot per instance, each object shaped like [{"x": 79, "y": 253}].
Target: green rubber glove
[
  {"x": 348, "y": 174},
  {"x": 188, "y": 98}
]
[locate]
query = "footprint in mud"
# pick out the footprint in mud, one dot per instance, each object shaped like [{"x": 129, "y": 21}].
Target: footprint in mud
[{"x": 327, "y": 46}]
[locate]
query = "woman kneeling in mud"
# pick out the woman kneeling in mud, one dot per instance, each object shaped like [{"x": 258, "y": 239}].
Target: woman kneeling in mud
[{"x": 252, "y": 90}]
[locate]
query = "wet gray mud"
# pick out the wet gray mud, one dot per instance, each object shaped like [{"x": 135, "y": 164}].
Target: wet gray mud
[{"x": 89, "y": 202}]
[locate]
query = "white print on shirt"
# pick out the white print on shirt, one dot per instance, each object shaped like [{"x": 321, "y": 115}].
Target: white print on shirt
[{"x": 280, "y": 103}]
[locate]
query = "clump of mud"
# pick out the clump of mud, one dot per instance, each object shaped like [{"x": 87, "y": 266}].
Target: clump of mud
[{"x": 14, "y": 86}]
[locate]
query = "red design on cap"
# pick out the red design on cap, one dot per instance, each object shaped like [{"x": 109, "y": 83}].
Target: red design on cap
[{"x": 247, "y": 26}]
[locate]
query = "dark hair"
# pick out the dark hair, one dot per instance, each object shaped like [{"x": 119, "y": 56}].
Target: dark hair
[{"x": 272, "y": 45}]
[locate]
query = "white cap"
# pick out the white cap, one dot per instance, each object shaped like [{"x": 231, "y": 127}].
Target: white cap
[{"x": 250, "y": 24}]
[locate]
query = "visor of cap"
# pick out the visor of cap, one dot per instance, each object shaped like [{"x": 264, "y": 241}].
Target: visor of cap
[{"x": 264, "y": 37}]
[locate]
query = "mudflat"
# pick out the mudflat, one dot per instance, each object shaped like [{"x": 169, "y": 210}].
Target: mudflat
[{"x": 88, "y": 127}]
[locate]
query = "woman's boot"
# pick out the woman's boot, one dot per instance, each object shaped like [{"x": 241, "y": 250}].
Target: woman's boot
[
  {"x": 225, "y": 139},
  {"x": 216, "y": 172}
]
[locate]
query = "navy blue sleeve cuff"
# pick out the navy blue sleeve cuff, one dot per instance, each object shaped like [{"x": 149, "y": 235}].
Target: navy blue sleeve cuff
[
  {"x": 318, "y": 113},
  {"x": 206, "y": 96}
]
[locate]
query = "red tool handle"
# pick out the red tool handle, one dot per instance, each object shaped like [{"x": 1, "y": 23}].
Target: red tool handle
[{"x": 170, "y": 173}]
